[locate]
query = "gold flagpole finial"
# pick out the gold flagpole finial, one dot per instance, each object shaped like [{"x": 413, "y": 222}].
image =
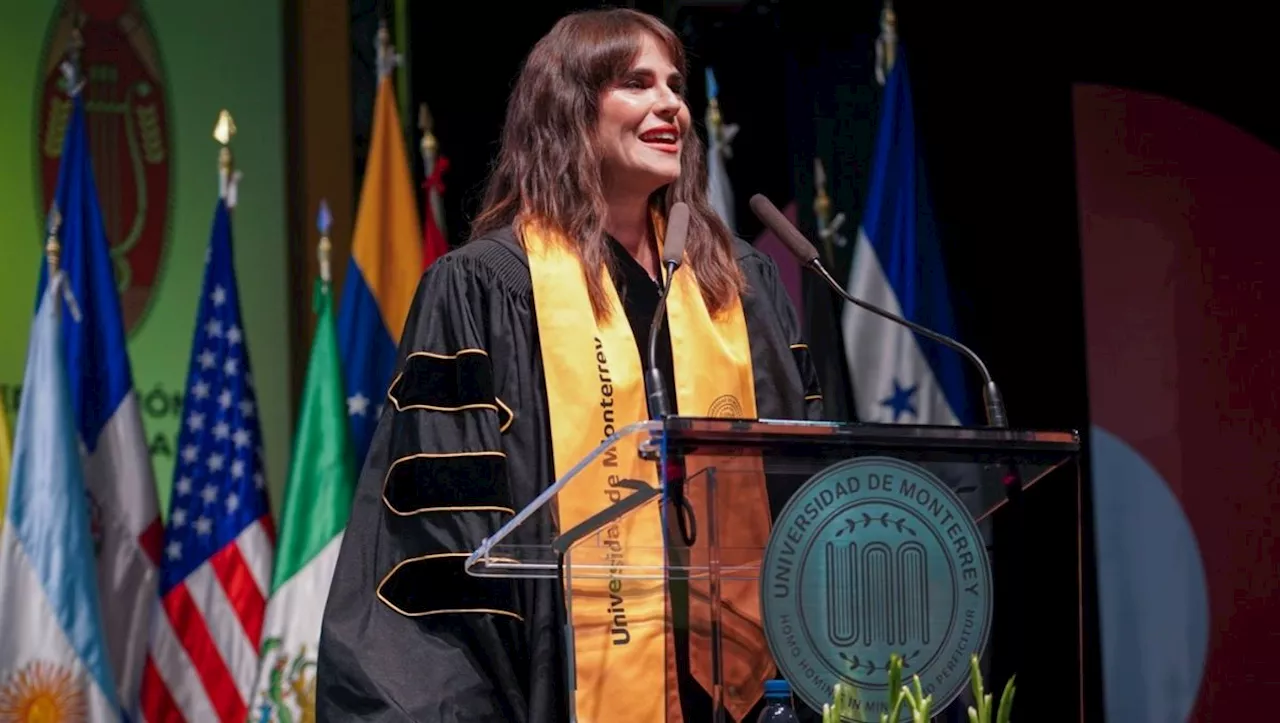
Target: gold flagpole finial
[
  {"x": 387, "y": 57},
  {"x": 822, "y": 207},
  {"x": 429, "y": 148},
  {"x": 828, "y": 225},
  {"x": 715, "y": 121},
  {"x": 324, "y": 221},
  {"x": 426, "y": 124},
  {"x": 821, "y": 202},
  {"x": 223, "y": 132},
  {"x": 53, "y": 246},
  {"x": 53, "y": 255},
  {"x": 887, "y": 42}
]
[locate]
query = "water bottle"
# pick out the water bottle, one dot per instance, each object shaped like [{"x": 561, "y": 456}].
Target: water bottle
[{"x": 777, "y": 703}]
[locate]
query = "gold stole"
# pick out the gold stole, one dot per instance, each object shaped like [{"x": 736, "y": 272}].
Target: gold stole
[{"x": 595, "y": 386}]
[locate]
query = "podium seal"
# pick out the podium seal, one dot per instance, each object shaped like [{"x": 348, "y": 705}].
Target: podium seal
[{"x": 871, "y": 557}]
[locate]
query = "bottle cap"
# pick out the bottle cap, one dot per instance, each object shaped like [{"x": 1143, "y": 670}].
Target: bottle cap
[{"x": 777, "y": 689}]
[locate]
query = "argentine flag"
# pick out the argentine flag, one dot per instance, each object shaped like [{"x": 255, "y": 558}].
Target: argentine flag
[
  {"x": 897, "y": 265},
  {"x": 53, "y": 657}
]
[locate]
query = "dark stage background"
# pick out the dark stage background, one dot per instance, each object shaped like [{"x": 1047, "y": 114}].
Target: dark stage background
[{"x": 992, "y": 88}]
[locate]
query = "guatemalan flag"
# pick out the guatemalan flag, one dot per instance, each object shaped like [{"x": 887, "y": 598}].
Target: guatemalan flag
[
  {"x": 124, "y": 516},
  {"x": 897, "y": 265},
  {"x": 53, "y": 656},
  {"x": 386, "y": 264}
]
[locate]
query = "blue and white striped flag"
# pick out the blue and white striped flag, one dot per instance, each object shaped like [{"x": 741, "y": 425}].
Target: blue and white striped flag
[
  {"x": 897, "y": 265},
  {"x": 54, "y": 663}
]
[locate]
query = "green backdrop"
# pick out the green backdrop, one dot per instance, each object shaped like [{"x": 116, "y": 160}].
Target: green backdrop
[{"x": 212, "y": 55}]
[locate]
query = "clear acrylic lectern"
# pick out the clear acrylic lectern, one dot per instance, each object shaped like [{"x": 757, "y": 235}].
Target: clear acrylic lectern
[{"x": 806, "y": 550}]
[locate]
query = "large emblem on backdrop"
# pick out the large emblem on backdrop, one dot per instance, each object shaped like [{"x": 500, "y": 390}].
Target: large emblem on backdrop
[
  {"x": 873, "y": 557},
  {"x": 126, "y": 112}
]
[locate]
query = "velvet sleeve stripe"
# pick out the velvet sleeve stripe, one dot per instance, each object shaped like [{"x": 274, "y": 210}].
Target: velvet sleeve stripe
[
  {"x": 448, "y": 383},
  {"x": 808, "y": 372},
  {"x": 439, "y": 584},
  {"x": 447, "y": 482}
]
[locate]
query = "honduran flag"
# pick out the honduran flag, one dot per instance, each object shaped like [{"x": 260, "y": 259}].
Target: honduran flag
[
  {"x": 897, "y": 265},
  {"x": 53, "y": 657},
  {"x": 124, "y": 515},
  {"x": 386, "y": 264}
]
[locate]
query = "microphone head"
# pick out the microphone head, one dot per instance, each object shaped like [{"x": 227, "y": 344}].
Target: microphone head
[
  {"x": 677, "y": 234},
  {"x": 790, "y": 236}
]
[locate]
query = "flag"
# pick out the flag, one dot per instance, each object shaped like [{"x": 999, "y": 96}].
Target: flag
[
  {"x": 383, "y": 274},
  {"x": 124, "y": 513},
  {"x": 53, "y": 655},
  {"x": 217, "y": 555},
  {"x": 897, "y": 265},
  {"x": 719, "y": 139},
  {"x": 317, "y": 501}
]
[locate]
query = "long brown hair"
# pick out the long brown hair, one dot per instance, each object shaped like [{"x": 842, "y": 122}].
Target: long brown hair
[{"x": 549, "y": 168}]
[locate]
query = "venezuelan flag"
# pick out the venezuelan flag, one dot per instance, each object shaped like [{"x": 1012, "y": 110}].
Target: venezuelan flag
[{"x": 386, "y": 263}]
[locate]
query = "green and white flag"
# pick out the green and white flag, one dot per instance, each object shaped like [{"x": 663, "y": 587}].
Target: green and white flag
[{"x": 317, "y": 503}]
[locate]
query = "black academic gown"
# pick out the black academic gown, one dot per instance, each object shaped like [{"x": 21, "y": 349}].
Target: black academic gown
[{"x": 384, "y": 657}]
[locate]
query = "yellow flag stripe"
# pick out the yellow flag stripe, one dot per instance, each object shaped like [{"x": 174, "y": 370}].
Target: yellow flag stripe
[{"x": 387, "y": 243}]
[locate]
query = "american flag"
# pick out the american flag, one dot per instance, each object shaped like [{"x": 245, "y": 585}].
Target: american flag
[{"x": 218, "y": 543}]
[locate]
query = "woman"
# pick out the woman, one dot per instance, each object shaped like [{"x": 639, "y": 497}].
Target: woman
[{"x": 522, "y": 352}]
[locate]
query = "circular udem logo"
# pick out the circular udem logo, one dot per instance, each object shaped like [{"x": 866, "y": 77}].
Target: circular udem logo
[{"x": 871, "y": 557}]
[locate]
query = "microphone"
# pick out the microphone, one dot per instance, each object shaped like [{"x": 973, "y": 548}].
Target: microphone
[
  {"x": 672, "y": 257},
  {"x": 798, "y": 245}
]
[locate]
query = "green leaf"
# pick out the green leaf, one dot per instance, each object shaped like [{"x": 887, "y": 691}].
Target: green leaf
[
  {"x": 979, "y": 691},
  {"x": 919, "y": 702},
  {"x": 842, "y": 703},
  {"x": 1006, "y": 702},
  {"x": 895, "y": 683},
  {"x": 895, "y": 705}
]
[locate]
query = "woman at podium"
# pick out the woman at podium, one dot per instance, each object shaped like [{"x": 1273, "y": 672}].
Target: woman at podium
[{"x": 527, "y": 347}]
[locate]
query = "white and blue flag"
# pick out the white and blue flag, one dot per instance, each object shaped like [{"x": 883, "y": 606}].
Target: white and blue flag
[
  {"x": 54, "y": 663},
  {"x": 897, "y": 376}
]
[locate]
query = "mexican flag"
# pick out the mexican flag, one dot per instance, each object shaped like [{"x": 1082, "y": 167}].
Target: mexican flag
[{"x": 317, "y": 502}]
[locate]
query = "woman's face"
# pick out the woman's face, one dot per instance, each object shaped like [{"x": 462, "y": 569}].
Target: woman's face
[{"x": 643, "y": 122}]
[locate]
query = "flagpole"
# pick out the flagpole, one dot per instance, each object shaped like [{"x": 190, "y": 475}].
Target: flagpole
[
  {"x": 403, "y": 84},
  {"x": 828, "y": 226},
  {"x": 429, "y": 147}
]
